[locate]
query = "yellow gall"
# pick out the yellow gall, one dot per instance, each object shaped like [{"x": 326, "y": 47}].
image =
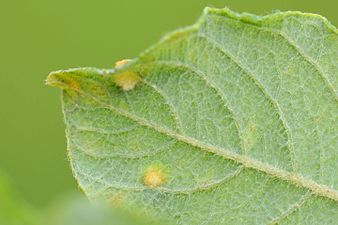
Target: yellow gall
[
  {"x": 121, "y": 62},
  {"x": 154, "y": 177},
  {"x": 127, "y": 80}
]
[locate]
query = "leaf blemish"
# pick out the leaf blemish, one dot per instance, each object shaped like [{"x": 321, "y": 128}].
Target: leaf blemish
[
  {"x": 116, "y": 199},
  {"x": 127, "y": 80},
  {"x": 73, "y": 84},
  {"x": 63, "y": 80},
  {"x": 154, "y": 176},
  {"x": 121, "y": 63}
]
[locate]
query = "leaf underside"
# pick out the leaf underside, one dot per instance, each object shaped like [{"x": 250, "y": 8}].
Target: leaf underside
[{"x": 234, "y": 121}]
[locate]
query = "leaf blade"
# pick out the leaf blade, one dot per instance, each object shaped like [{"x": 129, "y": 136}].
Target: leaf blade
[{"x": 222, "y": 90}]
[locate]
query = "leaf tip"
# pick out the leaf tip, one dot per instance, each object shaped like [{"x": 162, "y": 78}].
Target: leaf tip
[{"x": 62, "y": 80}]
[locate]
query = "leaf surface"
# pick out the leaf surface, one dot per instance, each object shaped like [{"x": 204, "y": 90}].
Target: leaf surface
[{"x": 232, "y": 121}]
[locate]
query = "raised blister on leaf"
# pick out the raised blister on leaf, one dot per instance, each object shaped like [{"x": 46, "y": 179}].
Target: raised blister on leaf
[
  {"x": 154, "y": 176},
  {"x": 128, "y": 79},
  {"x": 121, "y": 63}
]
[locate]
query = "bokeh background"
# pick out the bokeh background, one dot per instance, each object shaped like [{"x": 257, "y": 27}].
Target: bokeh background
[{"x": 39, "y": 36}]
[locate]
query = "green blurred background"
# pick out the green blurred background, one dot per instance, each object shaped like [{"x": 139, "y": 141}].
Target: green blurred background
[{"x": 39, "y": 36}]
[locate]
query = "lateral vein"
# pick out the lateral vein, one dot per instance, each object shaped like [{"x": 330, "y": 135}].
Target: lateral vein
[{"x": 318, "y": 189}]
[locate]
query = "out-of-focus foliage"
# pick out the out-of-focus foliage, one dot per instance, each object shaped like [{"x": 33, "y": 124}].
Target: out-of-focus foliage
[
  {"x": 13, "y": 210},
  {"x": 76, "y": 210},
  {"x": 72, "y": 209}
]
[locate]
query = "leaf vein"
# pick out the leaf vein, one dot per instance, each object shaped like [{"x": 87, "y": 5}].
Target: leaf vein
[
  {"x": 247, "y": 162},
  {"x": 265, "y": 93},
  {"x": 174, "y": 113},
  {"x": 292, "y": 209},
  {"x": 210, "y": 84},
  {"x": 298, "y": 49},
  {"x": 157, "y": 150},
  {"x": 178, "y": 191}
]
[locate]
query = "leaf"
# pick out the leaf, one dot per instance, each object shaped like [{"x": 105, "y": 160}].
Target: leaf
[{"x": 230, "y": 121}]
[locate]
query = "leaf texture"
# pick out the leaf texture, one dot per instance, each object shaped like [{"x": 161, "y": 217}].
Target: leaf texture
[{"x": 234, "y": 121}]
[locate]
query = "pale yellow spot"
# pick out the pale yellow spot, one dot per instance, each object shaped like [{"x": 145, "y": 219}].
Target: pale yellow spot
[
  {"x": 127, "y": 80},
  {"x": 121, "y": 62},
  {"x": 154, "y": 177},
  {"x": 116, "y": 199}
]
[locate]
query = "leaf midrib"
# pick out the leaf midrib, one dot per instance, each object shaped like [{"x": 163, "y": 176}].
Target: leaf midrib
[{"x": 246, "y": 162}]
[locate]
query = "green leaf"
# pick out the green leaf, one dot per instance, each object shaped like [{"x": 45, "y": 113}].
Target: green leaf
[{"x": 230, "y": 121}]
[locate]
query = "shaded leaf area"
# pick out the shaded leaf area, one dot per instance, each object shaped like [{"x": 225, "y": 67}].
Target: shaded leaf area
[{"x": 235, "y": 117}]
